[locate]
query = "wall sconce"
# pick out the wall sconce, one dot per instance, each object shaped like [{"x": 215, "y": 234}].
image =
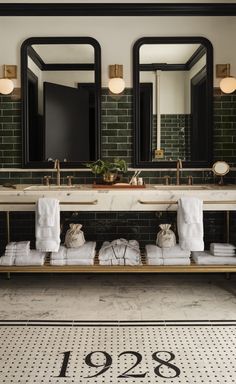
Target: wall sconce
[
  {"x": 228, "y": 83},
  {"x": 116, "y": 83},
  {"x": 6, "y": 84}
]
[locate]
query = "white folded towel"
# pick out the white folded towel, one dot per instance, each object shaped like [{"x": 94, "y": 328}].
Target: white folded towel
[
  {"x": 153, "y": 252},
  {"x": 120, "y": 249},
  {"x": 47, "y": 208},
  {"x": 47, "y": 230},
  {"x": 34, "y": 258},
  {"x": 206, "y": 258},
  {"x": 190, "y": 226},
  {"x": 223, "y": 253},
  {"x": 18, "y": 245},
  {"x": 191, "y": 209},
  {"x": 222, "y": 247},
  {"x": 72, "y": 262},
  {"x": 86, "y": 251},
  {"x": 172, "y": 261},
  {"x": 7, "y": 260}
]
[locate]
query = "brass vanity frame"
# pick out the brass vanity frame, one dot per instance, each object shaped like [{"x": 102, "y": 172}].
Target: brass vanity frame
[{"x": 96, "y": 268}]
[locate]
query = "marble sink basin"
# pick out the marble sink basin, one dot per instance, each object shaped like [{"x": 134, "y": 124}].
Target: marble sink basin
[
  {"x": 51, "y": 187},
  {"x": 183, "y": 187}
]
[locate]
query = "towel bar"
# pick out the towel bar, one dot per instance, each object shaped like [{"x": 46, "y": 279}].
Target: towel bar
[
  {"x": 175, "y": 202},
  {"x": 92, "y": 202}
]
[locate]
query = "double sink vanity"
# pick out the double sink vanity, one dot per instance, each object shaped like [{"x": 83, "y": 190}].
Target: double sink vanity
[{"x": 89, "y": 198}]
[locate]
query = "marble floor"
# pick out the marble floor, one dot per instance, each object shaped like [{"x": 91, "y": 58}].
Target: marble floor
[{"x": 118, "y": 297}]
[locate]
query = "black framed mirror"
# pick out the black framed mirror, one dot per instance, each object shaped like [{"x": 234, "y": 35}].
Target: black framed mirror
[
  {"x": 61, "y": 85},
  {"x": 173, "y": 102}
]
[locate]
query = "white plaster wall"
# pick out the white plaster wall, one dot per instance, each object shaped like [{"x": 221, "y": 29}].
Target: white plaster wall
[
  {"x": 172, "y": 91},
  {"x": 117, "y": 35}
]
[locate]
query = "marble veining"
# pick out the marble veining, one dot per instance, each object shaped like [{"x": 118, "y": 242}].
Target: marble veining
[{"x": 117, "y": 297}]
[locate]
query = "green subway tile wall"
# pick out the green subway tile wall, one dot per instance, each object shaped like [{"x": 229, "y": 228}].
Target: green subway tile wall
[{"x": 117, "y": 138}]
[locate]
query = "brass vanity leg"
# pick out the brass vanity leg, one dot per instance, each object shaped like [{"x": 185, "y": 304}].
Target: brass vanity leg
[
  {"x": 8, "y": 226},
  {"x": 227, "y": 227},
  {"x": 8, "y": 236}
]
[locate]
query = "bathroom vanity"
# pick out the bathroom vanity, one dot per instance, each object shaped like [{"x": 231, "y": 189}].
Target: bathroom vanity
[{"x": 87, "y": 198}]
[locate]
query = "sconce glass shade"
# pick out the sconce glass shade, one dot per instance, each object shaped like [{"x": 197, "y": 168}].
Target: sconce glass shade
[
  {"x": 116, "y": 85},
  {"x": 6, "y": 86},
  {"x": 228, "y": 84}
]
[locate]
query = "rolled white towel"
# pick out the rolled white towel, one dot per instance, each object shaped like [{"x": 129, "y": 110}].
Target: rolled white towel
[
  {"x": 72, "y": 262},
  {"x": 86, "y": 251},
  {"x": 34, "y": 258},
  {"x": 153, "y": 251},
  {"x": 171, "y": 261},
  {"x": 206, "y": 257}
]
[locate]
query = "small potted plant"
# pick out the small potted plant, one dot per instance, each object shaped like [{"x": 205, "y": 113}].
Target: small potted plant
[{"x": 108, "y": 170}]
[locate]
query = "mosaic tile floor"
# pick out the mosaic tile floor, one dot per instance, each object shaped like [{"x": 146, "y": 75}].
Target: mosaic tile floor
[{"x": 117, "y": 352}]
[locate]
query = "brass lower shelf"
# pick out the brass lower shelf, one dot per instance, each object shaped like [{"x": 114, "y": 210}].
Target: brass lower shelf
[{"x": 96, "y": 268}]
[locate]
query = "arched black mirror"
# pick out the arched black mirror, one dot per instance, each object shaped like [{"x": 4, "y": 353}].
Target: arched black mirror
[
  {"x": 61, "y": 83},
  {"x": 173, "y": 86}
]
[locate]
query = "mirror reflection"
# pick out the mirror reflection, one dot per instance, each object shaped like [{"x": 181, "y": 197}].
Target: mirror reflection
[
  {"x": 62, "y": 83},
  {"x": 172, "y": 101}
]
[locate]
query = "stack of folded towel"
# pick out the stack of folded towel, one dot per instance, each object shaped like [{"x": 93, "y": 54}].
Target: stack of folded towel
[
  {"x": 83, "y": 255},
  {"x": 166, "y": 256},
  {"x": 19, "y": 253},
  {"x": 220, "y": 253},
  {"x": 120, "y": 252}
]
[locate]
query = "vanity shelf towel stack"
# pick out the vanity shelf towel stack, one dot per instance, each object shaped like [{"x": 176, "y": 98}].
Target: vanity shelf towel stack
[
  {"x": 83, "y": 255},
  {"x": 219, "y": 254},
  {"x": 166, "y": 256}
]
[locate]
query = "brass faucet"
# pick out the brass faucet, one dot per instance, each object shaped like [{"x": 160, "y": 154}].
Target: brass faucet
[
  {"x": 178, "y": 167},
  {"x": 57, "y": 167}
]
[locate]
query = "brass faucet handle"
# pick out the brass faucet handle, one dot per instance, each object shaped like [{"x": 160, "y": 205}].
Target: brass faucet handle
[
  {"x": 46, "y": 180},
  {"x": 69, "y": 180},
  {"x": 167, "y": 180},
  {"x": 190, "y": 180}
]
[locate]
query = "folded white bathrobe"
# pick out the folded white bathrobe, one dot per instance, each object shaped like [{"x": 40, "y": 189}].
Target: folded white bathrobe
[
  {"x": 120, "y": 252},
  {"x": 47, "y": 229},
  {"x": 190, "y": 223},
  {"x": 13, "y": 250},
  {"x": 86, "y": 252},
  {"x": 206, "y": 257}
]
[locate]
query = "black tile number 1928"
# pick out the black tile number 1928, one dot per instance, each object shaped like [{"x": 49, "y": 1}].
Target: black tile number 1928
[{"x": 173, "y": 370}]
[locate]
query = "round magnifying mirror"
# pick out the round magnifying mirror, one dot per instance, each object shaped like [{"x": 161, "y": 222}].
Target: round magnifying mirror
[{"x": 220, "y": 168}]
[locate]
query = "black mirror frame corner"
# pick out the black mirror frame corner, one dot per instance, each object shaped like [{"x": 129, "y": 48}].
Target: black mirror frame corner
[
  {"x": 137, "y": 163},
  {"x": 26, "y": 163}
]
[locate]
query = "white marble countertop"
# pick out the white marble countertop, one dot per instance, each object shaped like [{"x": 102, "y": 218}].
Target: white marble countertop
[{"x": 86, "y": 198}]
